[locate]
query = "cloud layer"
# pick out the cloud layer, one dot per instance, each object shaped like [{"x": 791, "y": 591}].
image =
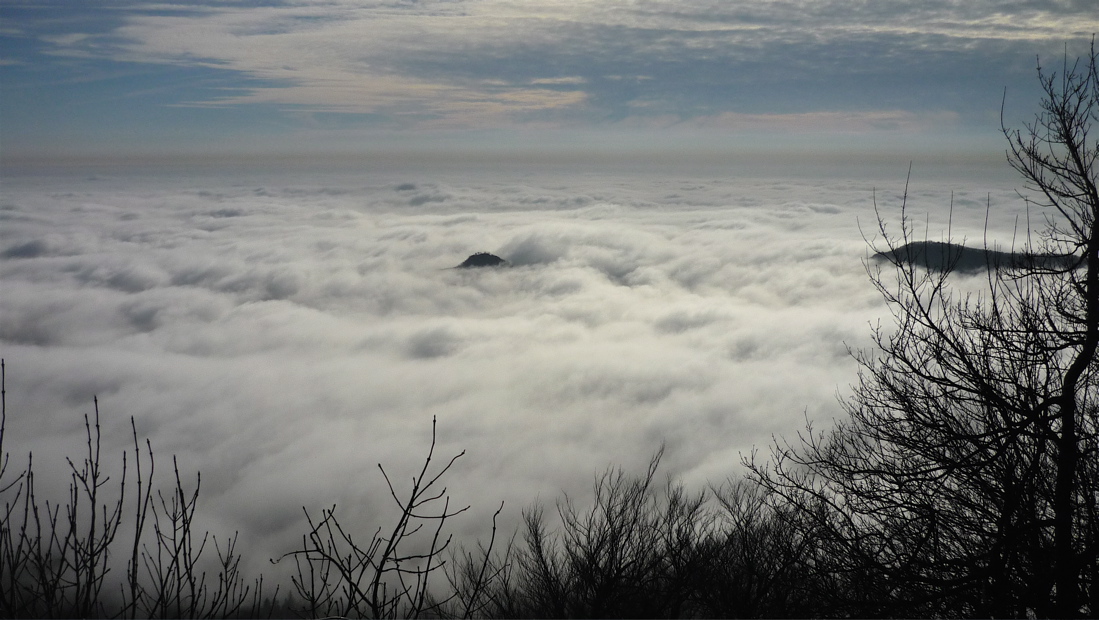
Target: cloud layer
[{"x": 285, "y": 333}]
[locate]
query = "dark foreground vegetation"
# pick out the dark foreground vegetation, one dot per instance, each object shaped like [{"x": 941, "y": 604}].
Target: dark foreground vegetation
[{"x": 964, "y": 480}]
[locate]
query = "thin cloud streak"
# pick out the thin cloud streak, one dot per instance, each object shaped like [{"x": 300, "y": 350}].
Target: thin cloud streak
[{"x": 473, "y": 64}]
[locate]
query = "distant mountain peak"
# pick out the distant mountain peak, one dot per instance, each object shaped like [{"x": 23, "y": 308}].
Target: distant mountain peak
[
  {"x": 482, "y": 259},
  {"x": 939, "y": 256}
]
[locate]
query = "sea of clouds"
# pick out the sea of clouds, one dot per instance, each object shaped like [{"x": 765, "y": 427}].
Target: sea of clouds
[{"x": 284, "y": 331}]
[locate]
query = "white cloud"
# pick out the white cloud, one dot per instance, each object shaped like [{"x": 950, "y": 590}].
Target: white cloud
[
  {"x": 284, "y": 334},
  {"x": 493, "y": 63}
]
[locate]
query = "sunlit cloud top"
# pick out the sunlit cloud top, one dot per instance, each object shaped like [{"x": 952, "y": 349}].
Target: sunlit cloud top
[{"x": 258, "y": 74}]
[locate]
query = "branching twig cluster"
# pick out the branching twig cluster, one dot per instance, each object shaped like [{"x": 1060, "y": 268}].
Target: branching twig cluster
[
  {"x": 59, "y": 559},
  {"x": 389, "y": 575}
]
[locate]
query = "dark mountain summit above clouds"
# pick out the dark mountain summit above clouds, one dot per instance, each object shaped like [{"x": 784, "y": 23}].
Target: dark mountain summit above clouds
[
  {"x": 482, "y": 259},
  {"x": 939, "y": 256}
]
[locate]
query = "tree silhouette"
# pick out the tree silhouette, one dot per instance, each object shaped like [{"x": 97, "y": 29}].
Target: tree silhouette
[{"x": 966, "y": 468}]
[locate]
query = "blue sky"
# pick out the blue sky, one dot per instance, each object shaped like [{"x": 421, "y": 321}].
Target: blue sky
[{"x": 139, "y": 78}]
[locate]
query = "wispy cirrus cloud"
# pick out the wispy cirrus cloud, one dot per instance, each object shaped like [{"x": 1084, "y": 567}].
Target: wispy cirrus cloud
[{"x": 497, "y": 62}]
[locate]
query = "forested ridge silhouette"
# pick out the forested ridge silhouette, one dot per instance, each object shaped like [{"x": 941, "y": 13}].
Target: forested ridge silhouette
[{"x": 959, "y": 258}]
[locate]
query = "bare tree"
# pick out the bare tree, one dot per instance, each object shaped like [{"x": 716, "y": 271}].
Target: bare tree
[
  {"x": 57, "y": 560},
  {"x": 639, "y": 550},
  {"x": 966, "y": 466},
  {"x": 758, "y": 564},
  {"x": 389, "y": 576},
  {"x": 1057, "y": 157}
]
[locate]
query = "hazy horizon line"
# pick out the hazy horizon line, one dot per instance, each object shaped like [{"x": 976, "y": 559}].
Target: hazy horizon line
[{"x": 748, "y": 157}]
